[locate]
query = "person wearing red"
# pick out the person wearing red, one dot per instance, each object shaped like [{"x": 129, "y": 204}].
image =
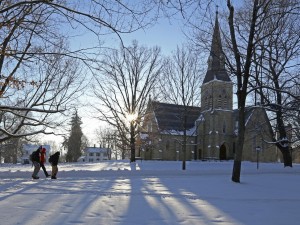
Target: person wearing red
[{"x": 43, "y": 160}]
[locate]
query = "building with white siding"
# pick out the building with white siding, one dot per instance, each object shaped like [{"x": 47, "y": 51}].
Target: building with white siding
[{"x": 95, "y": 154}]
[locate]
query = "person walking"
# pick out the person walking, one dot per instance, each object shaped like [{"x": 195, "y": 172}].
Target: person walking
[
  {"x": 43, "y": 160},
  {"x": 35, "y": 158},
  {"x": 53, "y": 159}
]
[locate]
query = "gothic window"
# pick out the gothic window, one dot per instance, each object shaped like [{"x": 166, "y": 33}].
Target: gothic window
[
  {"x": 206, "y": 102},
  {"x": 220, "y": 101},
  {"x": 210, "y": 101},
  {"x": 224, "y": 94},
  {"x": 224, "y": 127},
  {"x": 225, "y": 101},
  {"x": 222, "y": 61}
]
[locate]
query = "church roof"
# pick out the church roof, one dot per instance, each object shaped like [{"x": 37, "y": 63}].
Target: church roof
[
  {"x": 216, "y": 75},
  {"x": 170, "y": 116},
  {"x": 216, "y": 60},
  {"x": 248, "y": 113}
]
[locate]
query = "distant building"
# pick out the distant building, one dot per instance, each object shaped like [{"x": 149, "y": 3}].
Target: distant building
[
  {"x": 95, "y": 154},
  {"x": 27, "y": 149},
  {"x": 211, "y": 129}
]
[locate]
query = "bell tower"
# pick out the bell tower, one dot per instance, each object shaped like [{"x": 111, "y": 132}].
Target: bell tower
[{"x": 216, "y": 102}]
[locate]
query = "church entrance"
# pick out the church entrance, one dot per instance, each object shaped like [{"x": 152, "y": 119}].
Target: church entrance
[{"x": 223, "y": 155}]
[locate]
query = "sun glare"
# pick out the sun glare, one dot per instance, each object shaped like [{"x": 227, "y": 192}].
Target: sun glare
[{"x": 130, "y": 117}]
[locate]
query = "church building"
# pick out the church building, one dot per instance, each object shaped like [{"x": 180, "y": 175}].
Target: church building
[{"x": 211, "y": 130}]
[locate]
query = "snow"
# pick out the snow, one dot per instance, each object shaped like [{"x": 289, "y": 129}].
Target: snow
[{"x": 151, "y": 193}]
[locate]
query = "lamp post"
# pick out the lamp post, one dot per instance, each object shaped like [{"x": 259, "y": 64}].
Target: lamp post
[
  {"x": 161, "y": 154},
  {"x": 257, "y": 156},
  {"x": 177, "y": 155}
]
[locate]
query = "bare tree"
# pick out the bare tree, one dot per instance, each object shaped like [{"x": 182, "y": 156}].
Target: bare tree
[
  {"x": 39, "y": 107},
  {"x": 108, "y": 139},
  {"x": 11, "y": 150},
  {"x": 241, "y": 67},
  {"x": 122, "y": 86},
  {"x": 276, "y": 59},
  {"x": 33, "y": 35},
  {"x": 181, "y": 86}
]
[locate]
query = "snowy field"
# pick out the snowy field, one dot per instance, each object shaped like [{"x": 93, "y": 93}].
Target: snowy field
[{"x": 152, "y": 193}]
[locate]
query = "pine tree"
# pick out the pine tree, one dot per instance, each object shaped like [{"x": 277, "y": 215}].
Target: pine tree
[{"x": 74, "y": 141}]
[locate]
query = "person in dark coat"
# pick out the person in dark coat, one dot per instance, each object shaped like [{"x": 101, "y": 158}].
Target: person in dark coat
[
  {"x": 35, "y": 158},
  {"x": 43, "y": 160},
  {"x": 53, "y": 159}
]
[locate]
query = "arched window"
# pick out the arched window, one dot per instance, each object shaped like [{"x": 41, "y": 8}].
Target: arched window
[
  {"x": 206, "y": 102},
  {"x": 224, "y": 94},
  {"x": 220, "y": 101},
  {"x": 210, "y": 101},
  {"x": 224, "y": 127},
  {"x": 225, "y": 102}
]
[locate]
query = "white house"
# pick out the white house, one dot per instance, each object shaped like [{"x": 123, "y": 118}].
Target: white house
[
  {"x": 95, "y": 154},
  {"x": 27, "y": 149}
]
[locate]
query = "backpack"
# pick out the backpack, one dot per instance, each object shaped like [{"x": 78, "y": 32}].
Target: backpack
[
  {"x": 50, "y": 159},
  {"x": 35, "y": 156}
]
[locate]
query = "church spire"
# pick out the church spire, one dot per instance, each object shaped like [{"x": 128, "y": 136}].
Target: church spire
[
  {"x": 216, "y": 52},
  {"x": 216, "y": 59}
]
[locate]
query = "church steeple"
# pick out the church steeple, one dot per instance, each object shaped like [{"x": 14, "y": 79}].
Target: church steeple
[{"x": 216, "y": 59}]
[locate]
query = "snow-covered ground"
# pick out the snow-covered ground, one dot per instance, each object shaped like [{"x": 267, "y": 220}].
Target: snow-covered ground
[{"x": 152, "y": 193}]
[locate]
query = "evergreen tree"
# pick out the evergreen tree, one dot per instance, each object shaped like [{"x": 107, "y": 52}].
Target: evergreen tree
[{"x": 74, "y": 141}]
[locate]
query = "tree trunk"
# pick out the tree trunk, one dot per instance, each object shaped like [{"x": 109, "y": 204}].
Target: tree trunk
[
  {"x": 132, "y": 142},
  {"x": 184, "y": 153},
  {"x": 184, "y": 142},
  {"x": 287, "y": 158},
  {"x": 236, "y": 172}
]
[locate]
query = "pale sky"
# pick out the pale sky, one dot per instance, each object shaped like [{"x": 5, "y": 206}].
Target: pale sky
[{"x": 165, "y": 34}]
